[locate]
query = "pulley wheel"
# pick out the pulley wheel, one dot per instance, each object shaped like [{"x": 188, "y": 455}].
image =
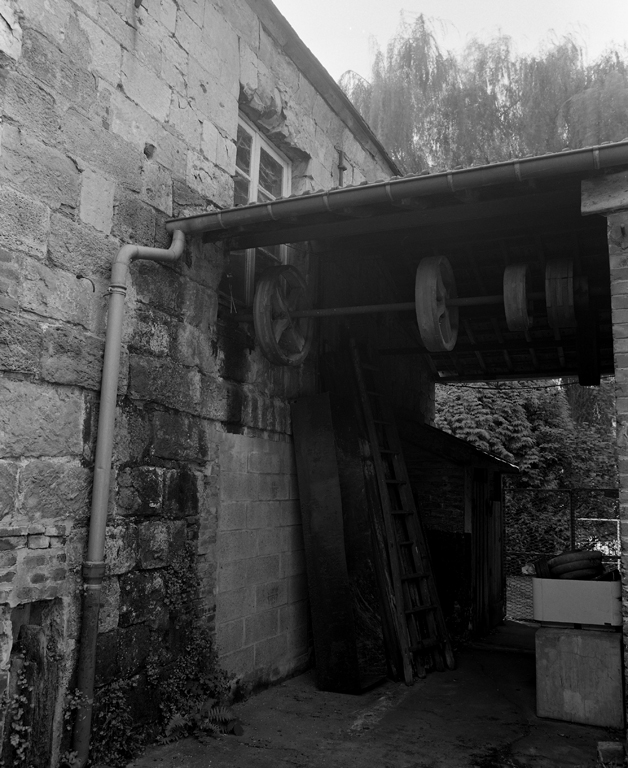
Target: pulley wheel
[
  {"x": 559, "y": 293},
  {"x": 518, "y": 317},
  {"x": 434, "y": 285},
  {"x": 283, "y": 340}
]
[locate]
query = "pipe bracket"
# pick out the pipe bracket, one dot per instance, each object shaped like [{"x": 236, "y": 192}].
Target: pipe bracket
[{"x": 93, "y": 573}]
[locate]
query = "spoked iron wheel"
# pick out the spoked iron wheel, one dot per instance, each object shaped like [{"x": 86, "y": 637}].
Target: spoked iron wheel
[{"x": 284, "y": 340}]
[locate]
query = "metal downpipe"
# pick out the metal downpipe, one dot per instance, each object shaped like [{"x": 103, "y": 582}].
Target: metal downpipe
[{"x": 94, "y": 565}]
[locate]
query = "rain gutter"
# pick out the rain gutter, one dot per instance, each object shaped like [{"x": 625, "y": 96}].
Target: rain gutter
[
  {"x": 94, "y": 564},
  {"x": 395, "y": 190}
]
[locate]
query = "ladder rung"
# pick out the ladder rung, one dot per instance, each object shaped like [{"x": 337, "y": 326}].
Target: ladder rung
[
  {"x": 406, "y": 543},
  {"x": 389, "y": 451},
  {"x": 413, "y": 576},
  {"x": 425, "y": 645},
  {"x": 401, "y": 512},
  {"x": 396, "y": 482},
  {"x": 420, "y": 609}
]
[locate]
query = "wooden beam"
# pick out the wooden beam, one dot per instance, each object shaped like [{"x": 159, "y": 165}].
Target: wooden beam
[{"x": 515, "y": 210}]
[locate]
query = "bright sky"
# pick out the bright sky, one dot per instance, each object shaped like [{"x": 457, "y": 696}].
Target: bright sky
[{"x": 339, "y": 32}]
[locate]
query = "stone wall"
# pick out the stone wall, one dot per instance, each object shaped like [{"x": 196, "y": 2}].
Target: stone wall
[{"x": 115, "y": 118}]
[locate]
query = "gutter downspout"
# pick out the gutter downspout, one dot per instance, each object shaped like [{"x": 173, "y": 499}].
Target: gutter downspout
[{"x": 94, "y": 565}]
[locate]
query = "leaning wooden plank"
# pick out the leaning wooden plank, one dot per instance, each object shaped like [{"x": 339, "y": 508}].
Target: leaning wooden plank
[{"x": 333, "y": 628}]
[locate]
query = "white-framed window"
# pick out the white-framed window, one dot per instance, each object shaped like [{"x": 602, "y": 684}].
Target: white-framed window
[{"x": 262, "y": 174}]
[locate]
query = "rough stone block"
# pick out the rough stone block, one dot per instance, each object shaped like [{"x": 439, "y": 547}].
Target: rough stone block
[
  {"x": 142, "y": 599},
  {"x": 102, "y": 150},
  {"x": 185, "y": 121},
  {"x": 144, "y": 87},
  {"x": 180, "y": 437},
  {"x": 8, "y": 489},
  {"x": 24, "y": 223},
  {"x": 25, "y": 425},
  {"x": 157, "y": 186},
  {"x": 20, "y": 343},
  {"x": 107, "y": 666},
  {"x": 261, "y": 626},
  {"x": 140, "y": 491},
  {"x": 109, "y": 605},
  {"x": 135, "y": 126},
  {"x": 235, "y": 604},
  {"x": 134, "y": 645},
  {"x": 96, "y": 204},
  {"x": 52, "y": 293},
  {"x": 214, "y": 184},
  {"x": 105, "y": 54},
  {"x": 162, "y": 381},
  {"x": 71, "y": 357},
  {"x": 43, "y": 173},
  {"x": 194, "y": 349},
  {"x": 181, "y": 493},
  {"x": 133, "y": 220},
  {"x": 79, "y": 249},
  {"x": 158, "y": 286},
  {"x": 120, "y": 549},
  {"x": 38, "y": 542},
  {"x": 154, "y": 544},
  {"x": 62, "y": 72},
  {"x": 30, "y": 106}
]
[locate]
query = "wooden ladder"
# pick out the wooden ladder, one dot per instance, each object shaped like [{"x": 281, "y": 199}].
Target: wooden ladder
[{"x": 421, "y": 629}]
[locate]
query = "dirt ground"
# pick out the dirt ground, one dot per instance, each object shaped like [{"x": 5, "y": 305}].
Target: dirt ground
[{"x": 481, "y": 715}]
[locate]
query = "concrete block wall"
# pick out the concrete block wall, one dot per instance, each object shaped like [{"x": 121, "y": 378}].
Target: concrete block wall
[
  {"x": 115, "y": 118},
  {"x": 261, "y": 611}
]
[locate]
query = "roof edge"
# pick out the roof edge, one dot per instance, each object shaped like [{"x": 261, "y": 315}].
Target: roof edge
[
  {"x": 575, "y": 161},
  {"x": 284, "y": 34}
]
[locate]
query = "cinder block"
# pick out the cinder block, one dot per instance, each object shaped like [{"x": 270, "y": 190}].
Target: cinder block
[
  {"x": 271, "y": 595},
  {"x": 235, "y": 604},
  {"x": 240, "y": 663},
  {"x": 261, "y": 570},
  {"x": 292, "y": 563},
  {"x": 261, "y": 626},
  {"x": 236, "y": 545},
  {"x": 232, "y": 516},
  {"x": 579, "y": 676},
  {"x": 230, "y": 636},
  {"x": 293, "y": 616},
  {"x": 232, "y": 576},
  {"x": 271, "y": 653},
  {"x": 263, "y": 514}
]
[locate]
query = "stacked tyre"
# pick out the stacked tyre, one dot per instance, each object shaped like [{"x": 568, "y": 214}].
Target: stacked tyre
[{"x": 579, "y": 564}]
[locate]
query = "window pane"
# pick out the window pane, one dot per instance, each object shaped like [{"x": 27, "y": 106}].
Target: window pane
[
  {"x": 240, "y": 190},
  {"x": 270, "y": 174},
  {"x": 243, "y": 150}
]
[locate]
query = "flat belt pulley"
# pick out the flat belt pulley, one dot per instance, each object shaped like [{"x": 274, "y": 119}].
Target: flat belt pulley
[{"x": 283, "y": 321}]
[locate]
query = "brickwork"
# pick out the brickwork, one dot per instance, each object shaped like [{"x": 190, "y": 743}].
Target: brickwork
[
  {"x": 113, "y": 119},
  {"x": 609, "y": 196},
  {"x": 261, "y": 612}
]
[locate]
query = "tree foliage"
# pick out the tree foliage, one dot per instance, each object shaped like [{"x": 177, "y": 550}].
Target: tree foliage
[
  {"x": 559, "y": 436},
  {"x": 436, "y": 110}
]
